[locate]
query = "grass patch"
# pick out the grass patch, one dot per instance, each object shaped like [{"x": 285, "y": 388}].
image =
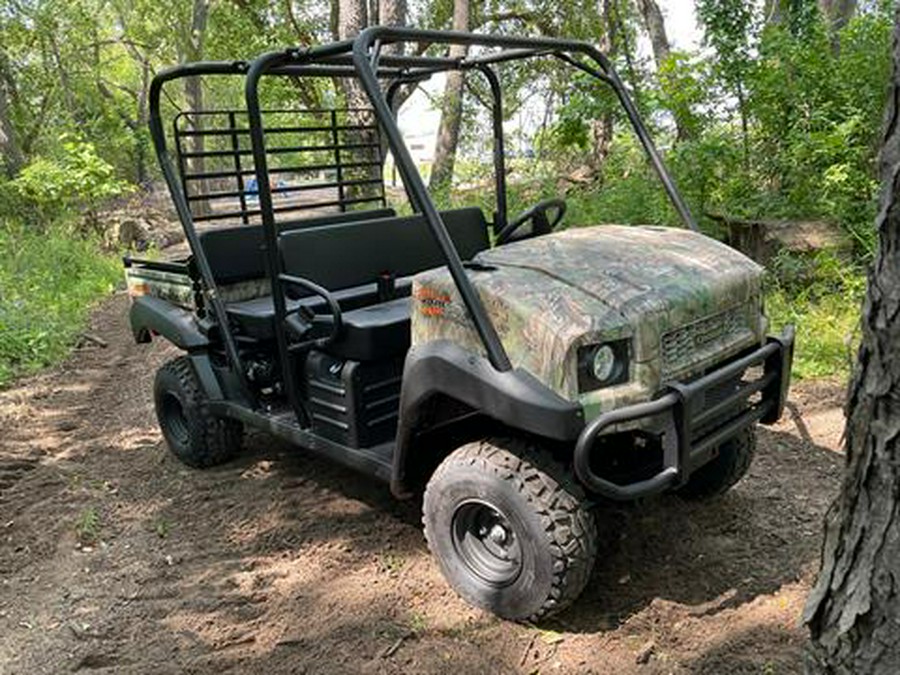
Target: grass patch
[
  {"x": 49, "y": 281},
  {"x": 822, "y": 298},
  {"x": 87, "y": 526}
]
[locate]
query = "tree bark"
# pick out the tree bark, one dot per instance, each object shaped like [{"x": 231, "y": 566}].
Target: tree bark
[
  {"x": 853, "y": 612},
  {"x": 193, "y": 92},
  {"x": 10, "y": 149},
  {"x": 837, "y": 12},
  {"x": 655, "y": 25},
  {"x": 602, "y": 129},
  {"x": 353, "y": 16},
  {"x": 656, "y": 30},
  {"x": 392, "y": 13},
  {"x": 451, "y": 108}
]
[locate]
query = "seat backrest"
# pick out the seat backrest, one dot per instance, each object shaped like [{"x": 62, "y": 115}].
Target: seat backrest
[
  {"x": 353, "y": 254},
  {"x": 235, "y": 253}
]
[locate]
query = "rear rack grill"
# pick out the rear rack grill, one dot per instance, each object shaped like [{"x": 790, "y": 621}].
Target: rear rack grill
[{"x": 319, "y": 160}]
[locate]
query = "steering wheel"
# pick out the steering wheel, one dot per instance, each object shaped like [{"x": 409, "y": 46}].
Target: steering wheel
[
  {"x": 538, "y": 215},
  {"x": 307, "y": 325}
]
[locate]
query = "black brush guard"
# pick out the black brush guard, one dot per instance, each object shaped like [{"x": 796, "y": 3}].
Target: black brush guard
[{"x": 685, "y": 412}]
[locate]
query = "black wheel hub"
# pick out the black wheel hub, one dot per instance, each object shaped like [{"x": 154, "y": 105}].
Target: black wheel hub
[
  {"x": 486, "y": 543},
  {"x": 173, "y": 418}
]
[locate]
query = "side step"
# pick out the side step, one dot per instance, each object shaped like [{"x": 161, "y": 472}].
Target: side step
[{"x": 375, "y": 461}]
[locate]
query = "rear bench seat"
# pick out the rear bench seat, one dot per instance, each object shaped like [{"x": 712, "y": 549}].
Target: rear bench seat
[{"x": 347, "y": 259}]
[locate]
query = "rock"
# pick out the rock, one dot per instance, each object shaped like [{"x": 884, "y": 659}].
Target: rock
[
  {"x": 645, "y": 652},
  {"x": 66, "y": 425},
  {"x": 764, "y": 239}
]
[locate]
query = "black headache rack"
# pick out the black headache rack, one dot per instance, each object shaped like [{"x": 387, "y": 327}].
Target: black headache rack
[
  {"x": 317, "y": 160},
  {"x": 698, "y": 417}
]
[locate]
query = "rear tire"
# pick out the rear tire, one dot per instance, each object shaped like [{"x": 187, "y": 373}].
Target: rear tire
[
  {"x": 725, "y": 470},
  {"x": 510, "y": 529},
  {"x": 194, "y": 435}
]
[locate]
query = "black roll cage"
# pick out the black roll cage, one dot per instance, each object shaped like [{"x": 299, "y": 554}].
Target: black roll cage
[{"x": 363, "y": 58}]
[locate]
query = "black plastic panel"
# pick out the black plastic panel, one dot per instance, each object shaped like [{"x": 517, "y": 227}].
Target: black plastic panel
[{"x": 353, "y": 403}]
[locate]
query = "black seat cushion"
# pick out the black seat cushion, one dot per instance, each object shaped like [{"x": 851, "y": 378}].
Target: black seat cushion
[
  {"x": 235, "y": 254},
  {"x": 375, "y": 332},
  {"x": 347, "y": 259},
  {"x": 342, "y": 256},
  {"x": 256, "y": 317}
]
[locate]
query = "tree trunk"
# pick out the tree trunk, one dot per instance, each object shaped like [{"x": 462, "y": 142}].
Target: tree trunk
[
  {"x": 602, "y": 129},
  {"x": 193, "y": 93},
  {"x": 853, "y": 612},
  {"x": 451, "y": 108},
  {"x": 392, "y": 13},
  {"x": 353, "y": 16},
  {"x": 655, "y": 25},
  {"x": 656, "y": 30},
  {"x": 774, "y": 12},
  {"x": 10, "y": 149},
  {"x": 837, "y": 12}
]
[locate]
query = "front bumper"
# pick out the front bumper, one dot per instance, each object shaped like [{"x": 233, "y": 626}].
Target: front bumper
[{"x": 697, "y": 418}]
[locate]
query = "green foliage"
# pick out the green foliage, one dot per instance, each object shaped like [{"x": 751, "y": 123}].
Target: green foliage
[
  {"x": 683, "y": 84},
  {"x": 822, "y": 298},
  {"x": 48, "y": 282},
  {"x": 87, "y": 526},
  {"x": 817, "y": 116},
  {"x": 730, "y": 32},
  {"x": 775, "y": 123},
  {"x": 78, "y": 181}
]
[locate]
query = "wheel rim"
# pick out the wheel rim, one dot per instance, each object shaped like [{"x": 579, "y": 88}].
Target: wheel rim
[
  {"x": 174, "y": 419},
  {"x": 486, "y": 543}
]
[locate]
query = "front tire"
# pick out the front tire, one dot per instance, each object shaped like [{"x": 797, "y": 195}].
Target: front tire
[
  {"x": 725, "y": 470},
  {"x": 194, "y": 435},
  {"x": 510, "y": 529}
]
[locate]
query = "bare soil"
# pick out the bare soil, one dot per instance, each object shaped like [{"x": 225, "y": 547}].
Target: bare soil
[{"x": 116, "y": 558}]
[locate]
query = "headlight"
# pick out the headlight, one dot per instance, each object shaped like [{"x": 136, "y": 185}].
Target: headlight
[{"x": 602, "y": 365}]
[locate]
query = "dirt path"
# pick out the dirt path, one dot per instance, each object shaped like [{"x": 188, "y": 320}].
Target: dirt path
[{"x": 116, "y": 558}]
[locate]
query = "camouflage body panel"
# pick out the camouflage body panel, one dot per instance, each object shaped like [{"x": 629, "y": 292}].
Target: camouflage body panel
[
  {"x": 684, "y": 300},
  {"x": 179, "y": 288},
  {"x": 169, "y": 286},
  {"x": 245, "y": 290}
]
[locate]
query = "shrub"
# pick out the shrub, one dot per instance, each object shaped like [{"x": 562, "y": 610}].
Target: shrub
[
  {"x": 48, "y": 282},
  {"x": 78, "y": 181}
]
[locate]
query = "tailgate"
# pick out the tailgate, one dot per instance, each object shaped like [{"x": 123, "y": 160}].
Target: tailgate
[{"x": 170, "y": 281}]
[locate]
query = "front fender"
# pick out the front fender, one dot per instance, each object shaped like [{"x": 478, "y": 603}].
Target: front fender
[{"x": 514, "y": 398}]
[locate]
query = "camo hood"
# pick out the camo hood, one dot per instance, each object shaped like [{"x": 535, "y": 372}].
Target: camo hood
[{"x": 682, "y": 299}]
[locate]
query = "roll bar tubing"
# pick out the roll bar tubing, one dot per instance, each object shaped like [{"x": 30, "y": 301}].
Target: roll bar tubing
[{"x": 361, "y": 57}]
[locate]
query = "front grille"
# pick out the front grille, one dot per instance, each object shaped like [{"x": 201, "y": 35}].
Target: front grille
[{"x": 685, "y": 346}]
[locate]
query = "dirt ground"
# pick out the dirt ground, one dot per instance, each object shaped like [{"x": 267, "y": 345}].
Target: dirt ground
[{"x": 115, "y": 558}]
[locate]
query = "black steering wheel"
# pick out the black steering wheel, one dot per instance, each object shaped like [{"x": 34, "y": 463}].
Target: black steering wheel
[
  {"x": 539, "y": 216},
  {"x": 306, "y": 324}
]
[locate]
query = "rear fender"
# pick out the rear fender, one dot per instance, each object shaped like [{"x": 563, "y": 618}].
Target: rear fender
[{"x": 151, "y": 315}]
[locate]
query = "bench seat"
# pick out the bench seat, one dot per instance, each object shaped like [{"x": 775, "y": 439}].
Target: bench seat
[
  {"x": 347, "y": 258},
  {"x": 373, "y": 331}
]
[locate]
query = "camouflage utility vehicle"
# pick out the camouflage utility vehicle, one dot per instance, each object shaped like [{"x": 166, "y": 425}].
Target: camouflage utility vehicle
[{"x": 513, "y": 371}]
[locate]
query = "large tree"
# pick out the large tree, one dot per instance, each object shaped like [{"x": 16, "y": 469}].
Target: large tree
[
  {"x": 451, "y": 108},
  {"x": 192, "y": 41},
  {"x": 602, "y": 127},
  {"x": 655, "y": 25},
  {"x": 11, "y": 154},
  {"x": 853, "y": 612}
]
